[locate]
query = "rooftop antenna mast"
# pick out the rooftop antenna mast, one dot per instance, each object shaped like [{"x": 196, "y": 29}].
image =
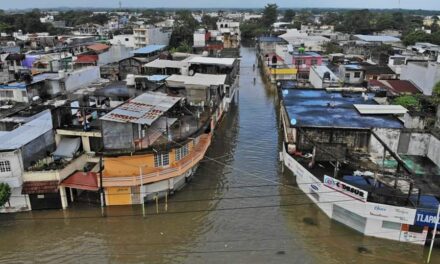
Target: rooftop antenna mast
[{"x": 120, "y": 4}]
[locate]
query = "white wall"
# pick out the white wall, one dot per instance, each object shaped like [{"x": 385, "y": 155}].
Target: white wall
[
  {"x": 125, "y": 40},
  {"x": 13, "y": 177},
  {"x": 434, "y": 150},
  {"x": 424, "y": 77},
  {"x": 315, "y": 79},
  {"x": 199, "y": 39},
  {"x": 114, "y": 54},
  {"x": 389, "y": 136},
  {"x": 79, "y": 78}
]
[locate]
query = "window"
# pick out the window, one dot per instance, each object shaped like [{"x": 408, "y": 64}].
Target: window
[
  {"x": 347, "y": 76},
  {"x": 6, "y": 94},
  {"x": 5, "y": 166},
  {"x": 357, "y": 75},
  {"x": 182, "y": 152},
  {"x": 391, "y": 225},
  {"x": 314, "y": 62},
  {"x": 161, "y": 160},
  {"x": 299, "y": 62}
]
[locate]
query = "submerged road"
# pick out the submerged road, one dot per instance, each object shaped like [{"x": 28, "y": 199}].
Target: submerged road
[{"x": 239, "y": 208}]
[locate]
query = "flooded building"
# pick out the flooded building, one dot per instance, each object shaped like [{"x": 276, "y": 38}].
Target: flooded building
[{"x": 356, "y": 163}]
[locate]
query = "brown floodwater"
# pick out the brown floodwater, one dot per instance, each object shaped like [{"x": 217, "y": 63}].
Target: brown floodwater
[{"x": 233, "y": 211}]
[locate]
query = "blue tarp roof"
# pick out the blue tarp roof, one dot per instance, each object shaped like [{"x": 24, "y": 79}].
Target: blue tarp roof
[
  {"x": 157, "y": 78},
  {"x": 355, "y": 180},
  {"x": 149, "y": 49},
  {"x": 319, "y": 108},
  {"x": 426, "y": 201}
]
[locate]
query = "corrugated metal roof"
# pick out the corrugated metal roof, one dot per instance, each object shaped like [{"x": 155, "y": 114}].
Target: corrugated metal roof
[
  {"x": 365, "y": 109},
  {"x": 162, "y": 64},
  {"x": 377, "y": 38},
  {"x": 198, "y": 79},
  {"x": 212, "y": 61},
  {"x": 23, "y": 135},
  {"x": 144, "y": 109},
  {"x": 149, "y": 49}
]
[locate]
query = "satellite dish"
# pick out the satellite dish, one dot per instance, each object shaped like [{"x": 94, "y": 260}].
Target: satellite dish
[
  {"x": 191, "y": 72},
  {"x": 285, "y": 92}
]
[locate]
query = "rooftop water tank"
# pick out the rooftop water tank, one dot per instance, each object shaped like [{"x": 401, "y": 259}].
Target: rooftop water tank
[{"x": 130, "y": 80}]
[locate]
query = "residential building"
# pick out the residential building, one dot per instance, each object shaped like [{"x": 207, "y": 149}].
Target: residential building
[
  {"x": 151, "y": 35},
  {"x": 125, "y": 40},
  {"x": 322, "y": 77}
]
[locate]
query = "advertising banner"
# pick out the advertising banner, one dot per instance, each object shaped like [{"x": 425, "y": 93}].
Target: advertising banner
[
  {"x": 346, "y": 188},
  {"x": 391, "y": 213}
]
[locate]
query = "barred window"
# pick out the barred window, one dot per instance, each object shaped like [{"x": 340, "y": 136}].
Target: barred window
[
  {"x": 182, "y": 152},
  {"x": 5, "y": 166},
  {"x": 161, "y": 160}
]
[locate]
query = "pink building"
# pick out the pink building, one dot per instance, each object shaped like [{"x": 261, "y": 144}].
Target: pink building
[{"x": 304, "y": 61}]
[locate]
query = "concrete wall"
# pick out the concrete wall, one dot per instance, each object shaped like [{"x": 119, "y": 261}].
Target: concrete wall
[
  {"x": 389, "y": 136},
  {"x": 126, "y": 40},
  {"x": 420, "y": 144},
  {"x": 434, "y": 150},
  {"x": 199, "y": 39},
  {"x": 85, "y": 76},
  {"x": 13, "y": 177},
  {"x": 315, "y": 79},
  {"x": 424, "y": 77},
  {"x": 114, "y": 54}
]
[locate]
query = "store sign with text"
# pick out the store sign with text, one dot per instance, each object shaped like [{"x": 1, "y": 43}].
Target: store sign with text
[
  {"x": 425, "y": 218},
  {"x": 345, "y": 188},
  {"x": 391, "y": 213}
]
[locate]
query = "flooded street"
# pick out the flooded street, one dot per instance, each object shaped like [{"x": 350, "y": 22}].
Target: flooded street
[{"x": 239, "y": 208}]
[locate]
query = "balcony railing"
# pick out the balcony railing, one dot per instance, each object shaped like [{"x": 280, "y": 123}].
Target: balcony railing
[{"x": 157, "y": 174}]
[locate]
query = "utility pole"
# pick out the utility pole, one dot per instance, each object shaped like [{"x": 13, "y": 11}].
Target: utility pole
[{"x": 433, "y": 235}]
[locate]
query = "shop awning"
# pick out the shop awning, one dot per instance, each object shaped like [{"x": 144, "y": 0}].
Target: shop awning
[
  {"x": 82, "y": 180},
  {"x": 40, "y": 187},
  {"x": 67, "y": 148}
]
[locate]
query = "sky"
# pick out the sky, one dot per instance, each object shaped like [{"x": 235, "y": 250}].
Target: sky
[{"x": 405, "y": 4}]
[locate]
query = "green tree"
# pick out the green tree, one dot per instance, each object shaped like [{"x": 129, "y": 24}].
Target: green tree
[
  {"x": 331, "y": 47},
  {"x": 270, "y": 15},
  {"x": 184, "y": 28},
  {"x": 289, "y": 14},
  {"x": 5, "y": 193},
  {"x": 416, "y": 36},
  {"x": 407, "y": 101},
  {"x": 209, "y": 22}
]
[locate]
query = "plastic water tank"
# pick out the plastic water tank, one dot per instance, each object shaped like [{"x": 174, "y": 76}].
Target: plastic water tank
[
  {"x": 130, "y": 80},
  {"x": 62, "y": 73},
  {"x": 205, "y": 54}
]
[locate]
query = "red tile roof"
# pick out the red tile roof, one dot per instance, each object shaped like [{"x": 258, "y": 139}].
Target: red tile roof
[
  {"x": 82, "y": 180},
  {"x": 98, "y": 47},
  {"x": 86, "y": 59},
  {"x": 40, "y": 187}
]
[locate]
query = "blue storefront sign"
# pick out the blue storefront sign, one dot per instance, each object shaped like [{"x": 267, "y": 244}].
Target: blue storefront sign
[{"x": 425, "y": 218}]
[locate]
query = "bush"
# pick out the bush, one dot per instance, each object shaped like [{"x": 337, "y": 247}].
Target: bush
[
  {"x": 5, "y": 193},
  {"x": 407, "y": 101}
]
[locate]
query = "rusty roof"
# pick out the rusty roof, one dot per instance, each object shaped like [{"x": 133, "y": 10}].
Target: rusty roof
[
  {"x": 98, "y": 47},
  {"x": 40, "y": 187},
  {"x": 396, "y": 86},
  {"x": 144, "y": 109}
]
